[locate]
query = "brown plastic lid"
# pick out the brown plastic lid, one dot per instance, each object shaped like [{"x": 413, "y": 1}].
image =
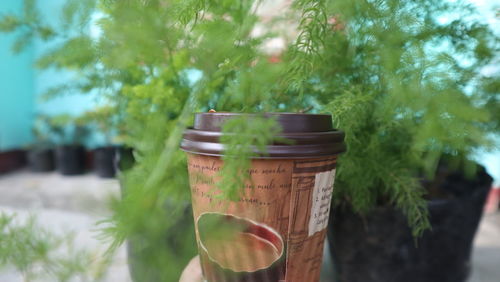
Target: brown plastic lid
[{"x": 309, "y": 135}]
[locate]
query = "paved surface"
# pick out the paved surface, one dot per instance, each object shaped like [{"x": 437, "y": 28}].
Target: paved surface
[
  {"x": 63, "y": 205},
  {"x": 74, "y": 204},
  {"x": 486, "y": 255}
]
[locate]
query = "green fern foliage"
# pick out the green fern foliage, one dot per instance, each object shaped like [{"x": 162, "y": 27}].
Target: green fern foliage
[{"x": 406, "y": 87}]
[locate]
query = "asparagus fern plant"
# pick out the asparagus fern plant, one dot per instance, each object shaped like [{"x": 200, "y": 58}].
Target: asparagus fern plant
[{"x": 405, "y": 86}]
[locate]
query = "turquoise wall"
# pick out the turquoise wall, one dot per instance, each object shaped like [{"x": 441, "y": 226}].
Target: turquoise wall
[
  {"x": 21, "y": 85},
  {"x": 16, "y": 88},
  {"x": 72, "y": 102}
]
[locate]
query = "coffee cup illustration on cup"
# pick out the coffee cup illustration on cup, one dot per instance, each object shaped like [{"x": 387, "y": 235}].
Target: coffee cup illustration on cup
[{"x": 239, "y": 249}]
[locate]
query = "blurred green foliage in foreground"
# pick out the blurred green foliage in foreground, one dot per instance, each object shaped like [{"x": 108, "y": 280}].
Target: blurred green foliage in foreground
[
  {"x": 38, "y": 254},
  {"x": 389, "y": 72}
]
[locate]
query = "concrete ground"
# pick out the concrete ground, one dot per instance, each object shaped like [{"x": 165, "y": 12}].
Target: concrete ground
[
  {"x": 75, "y": 204},
  {"x": 63, "y": 205}
]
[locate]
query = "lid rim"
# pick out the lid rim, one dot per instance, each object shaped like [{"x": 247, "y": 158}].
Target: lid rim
[
  {"x": 273, "y": 151},
  {"x": 310, "y": 135},
  {"x": 294, "y": 138},
  {"x": 287, "y": 157}
]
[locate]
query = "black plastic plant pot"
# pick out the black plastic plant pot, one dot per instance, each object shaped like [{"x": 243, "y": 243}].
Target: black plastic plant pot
[
  {"x": 145, "y": 249},
  {"x": 124, "y": 159},
  {"x": 41, "y": 160},
  {"x": 379, "y": 247},
  {"x": 89, "y": 160},
  {"x": 12, "y": 160},
  {"x": 104, "y": 159},
  {"x": 148, "y": 249},
  {"x": 70, "y": 159}
]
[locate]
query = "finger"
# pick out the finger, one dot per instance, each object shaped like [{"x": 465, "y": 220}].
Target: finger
[{"x": 192, "y": 272}]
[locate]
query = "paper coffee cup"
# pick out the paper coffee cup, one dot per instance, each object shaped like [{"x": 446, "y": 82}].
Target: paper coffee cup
[{"x": 275, "y": 231}]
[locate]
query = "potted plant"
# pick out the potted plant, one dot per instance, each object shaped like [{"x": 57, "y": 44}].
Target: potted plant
[
  {"x": 379, "y": 246},
  {"x": 70, "y": 153},
  {"x": 41, "y": 154},
  {"x": 410, "y": 140},
  {"x": 104, "y": 118},
  {"x": 378, "y": 67}
]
